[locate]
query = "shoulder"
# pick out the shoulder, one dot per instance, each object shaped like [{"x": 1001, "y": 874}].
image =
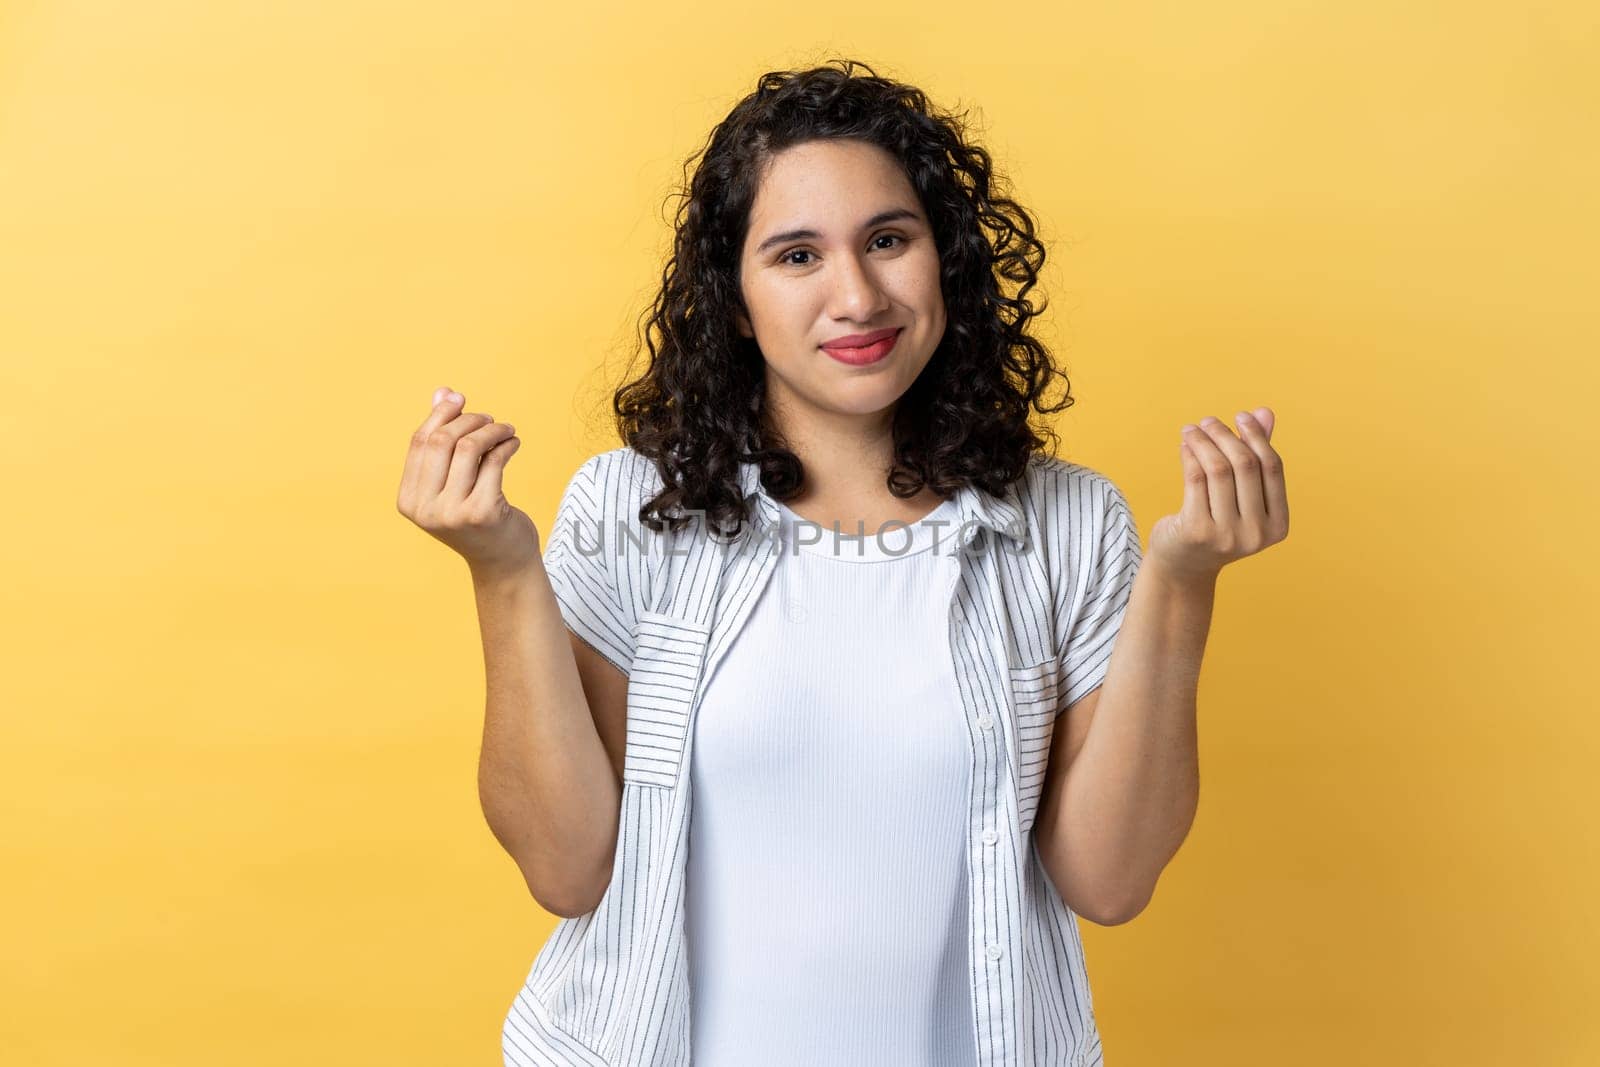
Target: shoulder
[
  {"x": 1069, "y": 497},
  {"x": 616, "y": 482},
  {"x": 623, "y": 467},
  {"x": 1076, "y": 515}
]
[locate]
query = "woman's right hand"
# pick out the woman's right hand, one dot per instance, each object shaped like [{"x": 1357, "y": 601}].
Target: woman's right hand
[{"x": 451, "y": 488}]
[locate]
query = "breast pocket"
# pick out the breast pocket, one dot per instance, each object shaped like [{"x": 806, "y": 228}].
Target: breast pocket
[
  {"x": 1034, "y": 692},
  {"x": 668, "y": 654}
]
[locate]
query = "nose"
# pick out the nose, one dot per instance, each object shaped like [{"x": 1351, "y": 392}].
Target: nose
[{"x": 857, "y": 294}]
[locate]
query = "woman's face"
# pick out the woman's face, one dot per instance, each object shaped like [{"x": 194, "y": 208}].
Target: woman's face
[{"x": 823, "y": 261}]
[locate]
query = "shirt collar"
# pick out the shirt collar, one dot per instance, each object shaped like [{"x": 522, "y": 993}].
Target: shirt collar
[{"x": 1001, "y": 514}]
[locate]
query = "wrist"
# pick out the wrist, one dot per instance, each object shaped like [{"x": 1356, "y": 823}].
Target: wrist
[
  {"x": 500, "y": 580},
  {"x": 1185, "y": 583}
]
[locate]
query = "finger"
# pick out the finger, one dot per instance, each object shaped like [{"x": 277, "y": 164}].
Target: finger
[
  {"x": 1246, "y": 471},
  {"x": 1274, "y": 498},
  {"x": 1276, "y": 492},
  {"x": 468, "y": 455},
  {"x": 491, "y": 471},
  {"x": 443, "y": 409},
  {"x": 441, "y": 450},
  {"x": 1224, "y": 503}
]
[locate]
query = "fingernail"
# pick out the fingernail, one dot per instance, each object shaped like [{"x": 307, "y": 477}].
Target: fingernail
[
  {"x": 1242, "y": 419},
  {"x": 1189, "y": 426},
  {"x": 438, "y": 395},
  {"x": 455, "y": 398}
]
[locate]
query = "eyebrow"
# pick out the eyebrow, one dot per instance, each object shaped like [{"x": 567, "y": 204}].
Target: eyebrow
[{"x": 892, "y": 215}]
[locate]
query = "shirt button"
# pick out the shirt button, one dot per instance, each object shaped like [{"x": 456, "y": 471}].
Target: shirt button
[
  {"x": 990, "y": 837},
  {"x": 986, "y": 722},
  {"x": 995, "y": 952}
]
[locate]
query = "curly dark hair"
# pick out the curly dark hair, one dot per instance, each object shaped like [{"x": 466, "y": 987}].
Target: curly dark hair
[{"x": 698, "y": 409}]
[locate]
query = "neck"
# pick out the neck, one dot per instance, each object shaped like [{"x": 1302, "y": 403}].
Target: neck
[{"x": 847, "y": 461}]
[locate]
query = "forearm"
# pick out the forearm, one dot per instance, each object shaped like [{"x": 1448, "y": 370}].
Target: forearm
[
  {"x": 546, "y": 785},
  {"x": 1130, "y": 795}
]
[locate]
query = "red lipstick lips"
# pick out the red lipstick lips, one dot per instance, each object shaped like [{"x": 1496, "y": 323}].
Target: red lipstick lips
[{"x": 861, "y": 348}]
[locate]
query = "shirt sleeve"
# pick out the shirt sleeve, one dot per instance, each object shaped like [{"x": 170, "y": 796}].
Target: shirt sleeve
[
  {"x": 1107, "y": 559},
  {"x": 581, "y": 556}
]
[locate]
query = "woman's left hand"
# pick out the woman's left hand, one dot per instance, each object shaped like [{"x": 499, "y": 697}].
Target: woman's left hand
[{"x": 1234, "y": 502}]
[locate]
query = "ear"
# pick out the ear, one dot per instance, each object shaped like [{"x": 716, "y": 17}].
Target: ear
[{"x": 743, "y": 323}]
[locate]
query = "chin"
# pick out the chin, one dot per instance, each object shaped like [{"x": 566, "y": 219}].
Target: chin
[{"x": 866, "y": 401}]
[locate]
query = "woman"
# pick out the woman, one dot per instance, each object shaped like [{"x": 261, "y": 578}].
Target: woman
[{"x": 834, "y": 600}]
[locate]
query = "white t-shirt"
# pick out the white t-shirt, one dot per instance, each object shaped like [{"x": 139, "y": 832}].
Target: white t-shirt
[
  {"x": 827, "y": 878},
  {"x": 1036, "y": 606}
]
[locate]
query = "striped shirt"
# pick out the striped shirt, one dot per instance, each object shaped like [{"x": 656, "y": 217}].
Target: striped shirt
[{"x": 1042, "y": 582}]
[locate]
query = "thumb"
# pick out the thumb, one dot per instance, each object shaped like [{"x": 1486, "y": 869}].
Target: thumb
[
  {"x": 1196, "y": 506},
  {"x": 491, "y": 471},
  {"x": 1264, "y": 417}
]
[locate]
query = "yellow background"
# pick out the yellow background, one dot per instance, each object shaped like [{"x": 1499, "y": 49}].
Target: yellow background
[{"x": 241, "y": 244}]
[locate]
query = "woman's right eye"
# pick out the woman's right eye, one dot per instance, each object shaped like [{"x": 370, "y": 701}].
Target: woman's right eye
[{"x": 793, "y": 252}]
